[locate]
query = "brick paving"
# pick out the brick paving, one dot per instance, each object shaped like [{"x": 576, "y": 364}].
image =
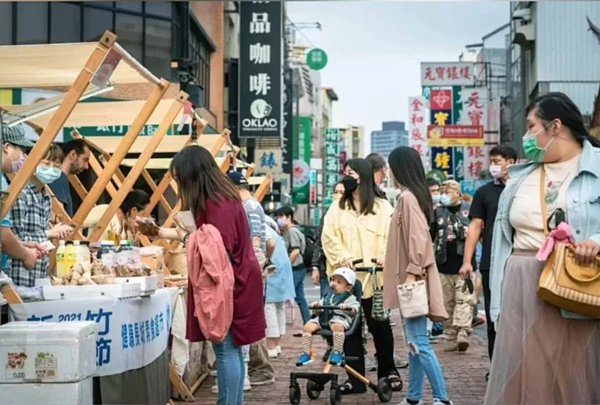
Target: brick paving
[{"x": 464, "y": 374}]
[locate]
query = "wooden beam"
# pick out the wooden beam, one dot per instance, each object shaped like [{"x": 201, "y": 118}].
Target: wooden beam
[
  {"x": 162, "y": 200},
  {"x": 250, "y": 171},
  {"x": 134, "y": 130},
  {"x": 263, "y": 189},
  {"x": 58, "y": 119},
  {"x": 179, "y": 385},
  {"x": 136, "y": 170},
  {"x": 225, "y": 163}
]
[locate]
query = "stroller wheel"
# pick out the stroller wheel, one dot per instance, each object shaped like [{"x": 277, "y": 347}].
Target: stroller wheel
[
  {"x": 384, "y": 390},
  {"x": 313, "y": 390},
  {"x": 336, "y": 396},
  {"x": 295, "y": 394}
]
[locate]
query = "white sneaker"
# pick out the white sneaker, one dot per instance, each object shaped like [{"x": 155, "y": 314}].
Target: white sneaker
[
  {"x": 278, "y": 348},
  {"x": 438, "y": 402},
  {"x": 405, "y": 402},
  {"x": 273, "y": 353}
]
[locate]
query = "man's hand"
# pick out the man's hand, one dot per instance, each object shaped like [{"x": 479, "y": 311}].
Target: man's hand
[
  {"x": 316, "y": 277},
  {"x": 314, "y": 304},
  {"x": 39, "y": 248},
  {"x": 60, "y": 231},
  {"x": 466, "y": 271},
  {"x": 348, "y": 264},
  {"x": 31, "y": 258}
]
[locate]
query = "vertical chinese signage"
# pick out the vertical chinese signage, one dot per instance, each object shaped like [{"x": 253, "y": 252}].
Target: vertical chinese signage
[
  {"x": 418, "y": 119},
  {"x": 475, "y": 103},
  {"x": 313, "y": 187},
  {"x": 268, "y": 161},
  {"x": 260, "y": 69},
  {"x": 286, "y": 139},
  {"x": 332, "y": 162},
  {"x": 301, "y": 154}
]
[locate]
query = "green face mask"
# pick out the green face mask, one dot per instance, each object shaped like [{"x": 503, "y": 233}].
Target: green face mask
[{"x": 532, "y": 151}]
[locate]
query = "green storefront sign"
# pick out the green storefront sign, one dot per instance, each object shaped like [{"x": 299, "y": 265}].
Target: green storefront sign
[
  {"x": 301, "y": 156},
  {"x": 110, "y": 130},
  {"x": 332, "y": 163}
]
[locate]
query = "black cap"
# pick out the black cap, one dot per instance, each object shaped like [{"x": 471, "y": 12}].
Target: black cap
[{"x": 237, "y": 178}]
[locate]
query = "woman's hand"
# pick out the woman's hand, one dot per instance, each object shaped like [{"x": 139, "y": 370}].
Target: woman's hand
[
  {"x": 60, "y": 231},
  {"x": 348, "y": 264},
  {"x": 410, "y": 278},
  {"x": 381, "y": 261},
  {"x": 586, "y": 252}
]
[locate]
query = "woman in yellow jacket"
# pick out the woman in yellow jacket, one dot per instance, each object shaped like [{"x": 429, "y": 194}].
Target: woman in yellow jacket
[{"x": 356, "y": 228}]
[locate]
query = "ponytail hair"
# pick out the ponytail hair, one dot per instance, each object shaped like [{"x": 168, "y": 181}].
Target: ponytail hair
[{"x": 552, "y": 106}]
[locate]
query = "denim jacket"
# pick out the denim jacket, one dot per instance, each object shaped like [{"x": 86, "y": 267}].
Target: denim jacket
[{"x": 583, "y": 210}]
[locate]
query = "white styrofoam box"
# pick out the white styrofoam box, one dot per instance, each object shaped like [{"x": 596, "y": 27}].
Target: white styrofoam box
[
  {"x": 148, "y": 284},
  {"x": 78, "y": 393},
  {"x": 69, "y": 292},
  {"x": 53, "y": 352}
]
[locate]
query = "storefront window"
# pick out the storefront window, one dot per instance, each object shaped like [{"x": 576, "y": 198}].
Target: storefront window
[
  {"x": 130, "y": 33},
  {"x": 65, "y": 22},
  {"x": 32, "y": 23},
  {"x": 6, "y": 24}
]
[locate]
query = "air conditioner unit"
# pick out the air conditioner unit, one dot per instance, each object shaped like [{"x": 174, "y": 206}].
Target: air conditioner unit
[{"x": 523, "y": 27}]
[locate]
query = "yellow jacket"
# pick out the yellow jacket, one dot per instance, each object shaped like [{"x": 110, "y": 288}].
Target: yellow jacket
[{"x": 348, "y": 235}]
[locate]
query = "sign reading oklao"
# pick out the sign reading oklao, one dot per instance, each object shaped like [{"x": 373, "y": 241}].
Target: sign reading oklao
[{"x": 260, "y": 69}]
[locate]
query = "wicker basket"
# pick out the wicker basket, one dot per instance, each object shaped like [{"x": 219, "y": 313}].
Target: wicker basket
[{"x": 177, "y": 263}]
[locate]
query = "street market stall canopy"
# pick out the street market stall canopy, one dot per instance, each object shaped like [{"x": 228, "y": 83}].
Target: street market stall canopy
[
  {"x": 100, "y": 114},
  {"x": 54, "y": 65},
  {"x": 165, "y": 163}
]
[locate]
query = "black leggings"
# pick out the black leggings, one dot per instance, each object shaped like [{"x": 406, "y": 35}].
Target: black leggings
[{"x": 384, "y": 347}]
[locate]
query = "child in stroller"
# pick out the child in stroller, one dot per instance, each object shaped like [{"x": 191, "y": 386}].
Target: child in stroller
[{"x": 342, "y": 282}]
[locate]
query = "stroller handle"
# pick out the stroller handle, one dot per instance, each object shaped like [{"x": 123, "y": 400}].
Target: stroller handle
[{"x": 367, "y": 269}]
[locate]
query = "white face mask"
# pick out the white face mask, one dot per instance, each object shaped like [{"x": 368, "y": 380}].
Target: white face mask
[{"x": 496, "y": 171}]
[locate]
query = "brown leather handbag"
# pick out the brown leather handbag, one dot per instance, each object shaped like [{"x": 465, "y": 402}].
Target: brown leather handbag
[{"x": 563, "y": 282}]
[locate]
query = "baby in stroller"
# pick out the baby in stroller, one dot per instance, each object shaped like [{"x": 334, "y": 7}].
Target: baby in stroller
[{"x": 342, "y": 282}]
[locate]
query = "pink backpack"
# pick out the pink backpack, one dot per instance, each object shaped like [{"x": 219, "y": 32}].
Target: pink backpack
[{"x": 211, "y": 277}]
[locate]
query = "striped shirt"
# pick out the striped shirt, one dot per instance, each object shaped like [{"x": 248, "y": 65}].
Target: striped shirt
[
  {"x": 30, "y": 217},
  {"x": 256, "y": 220}
]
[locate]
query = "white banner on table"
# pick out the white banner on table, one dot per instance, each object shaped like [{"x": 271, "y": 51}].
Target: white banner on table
[{"x": 131, "y": 333}]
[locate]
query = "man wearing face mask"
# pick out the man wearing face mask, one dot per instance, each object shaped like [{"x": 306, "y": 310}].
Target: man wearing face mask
[
  {"x": 434, "y": 190},
  {"x": 13, "y": 157},
  {"x": 450, "y": 230},
  {"x": 30, "y": 217},
  {"x": 483, "y": 215}
]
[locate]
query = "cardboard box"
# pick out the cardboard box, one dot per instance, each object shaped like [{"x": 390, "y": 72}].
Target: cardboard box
[
  {"x": 46, "y": 352},
  {"x": 78, "y": 393}
]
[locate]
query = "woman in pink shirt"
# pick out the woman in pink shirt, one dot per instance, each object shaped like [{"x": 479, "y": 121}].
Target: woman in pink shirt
[{"x": 213, "y": 199}]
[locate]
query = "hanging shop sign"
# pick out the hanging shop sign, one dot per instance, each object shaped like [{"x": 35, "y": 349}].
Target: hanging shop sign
[
  {"x": 316, "y": 59},
  {"x": 332, "y": 163},
  {"x": 476, "y": 161},
  {"x": 268, "y": 161},
  {"x": 260, "y": 69},
  {"x": 287, "y": 133},
  {"x": 301, "y": 153},
  {"x": 454, "y": 135},
  {"x": 418, "y": 114},
  {"x": 442, "y": 159},
  {"x": 448, "y": 74}
]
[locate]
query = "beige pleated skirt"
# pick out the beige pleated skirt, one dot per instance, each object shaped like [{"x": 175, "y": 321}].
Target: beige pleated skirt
[{"x": 539, "y": 356}]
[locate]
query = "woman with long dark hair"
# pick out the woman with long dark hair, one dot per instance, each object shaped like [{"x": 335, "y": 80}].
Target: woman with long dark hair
[
  {"x": 356, "y": 228},
  {"x": 214, "y": 200},
  {"x": 543, "y": 354},
  {"x": 410, "y": 258}
]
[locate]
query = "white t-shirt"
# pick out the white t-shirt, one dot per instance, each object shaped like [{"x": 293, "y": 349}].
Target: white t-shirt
[{"x": 526, "y": 210}]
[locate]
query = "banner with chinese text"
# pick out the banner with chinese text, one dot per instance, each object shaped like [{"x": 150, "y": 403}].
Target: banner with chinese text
[
  {"x": 471, "y": 186},
  {"x": 301, "y": 154},
  {"x": 443, "y": 159},
  {"x": 476, "y": 161},
  {"x": 130, "y": 334},
  {"x": 260, "y": 69},
  {"x": 268, "y": 161},
  {"x": 418, "y": 118},
  {"x": 454, "y": 135},
  {"x": 447, "y": 74},
  {"x": 332, "y": 163}
]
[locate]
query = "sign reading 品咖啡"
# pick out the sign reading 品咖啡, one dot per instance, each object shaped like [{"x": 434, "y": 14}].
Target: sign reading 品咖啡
[{"x": 260, "y": 69}]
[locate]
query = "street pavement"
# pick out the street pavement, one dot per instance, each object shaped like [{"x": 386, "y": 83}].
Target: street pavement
[{"x": 464, "y": 372}]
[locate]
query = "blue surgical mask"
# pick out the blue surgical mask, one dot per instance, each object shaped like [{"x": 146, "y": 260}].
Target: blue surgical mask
[
  {"x": 436, "y": 198},
  {"x": 46, "y": 174},
  {"x": 446, "y": 200}
]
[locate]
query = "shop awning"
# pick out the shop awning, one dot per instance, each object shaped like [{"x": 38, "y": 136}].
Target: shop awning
[{"x": 52, "y": 65}]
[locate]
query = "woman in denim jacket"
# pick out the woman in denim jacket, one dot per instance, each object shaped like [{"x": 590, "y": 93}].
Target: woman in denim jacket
[{"x": 543, "y": 354}]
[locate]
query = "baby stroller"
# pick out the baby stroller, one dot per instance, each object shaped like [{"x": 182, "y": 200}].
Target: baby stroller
[{"x": 316, "y": 382}]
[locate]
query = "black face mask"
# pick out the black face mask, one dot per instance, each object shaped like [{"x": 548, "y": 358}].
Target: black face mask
[{"x": 350, "y": 184}]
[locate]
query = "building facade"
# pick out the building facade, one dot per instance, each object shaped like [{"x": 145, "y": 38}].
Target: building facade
[
  {"x": 545, "y": 56},
  {"x": 392, "y": 135},
  {"x": 352, "y": 142}
]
